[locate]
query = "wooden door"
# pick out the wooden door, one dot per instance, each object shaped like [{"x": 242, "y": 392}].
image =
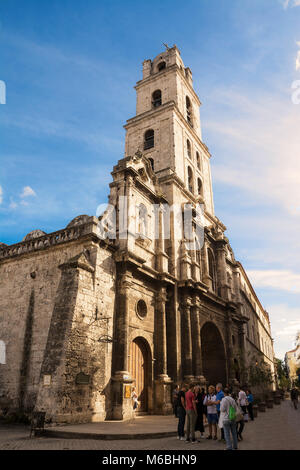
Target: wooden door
[{"x": 139, "y": 372}]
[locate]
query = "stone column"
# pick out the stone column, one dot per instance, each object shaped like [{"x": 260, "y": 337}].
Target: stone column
[
  {"x": 242, "y": 347},
  {"x": 236, "y": 282},
  {"x": 206, "y": 277},
  {"x": 121, "y": 404},
  {"x": 161, "y": 256},
  {"x": 186, "y": 344},
  {"x": 196, "y": 341},
  {"x": 163, "y": 399},
  {"x": 230, "y": 363},
  {"x": 223, "y": 288}
]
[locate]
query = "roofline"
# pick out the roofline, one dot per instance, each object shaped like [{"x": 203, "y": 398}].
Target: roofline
[{"x": 253, "y": 291}]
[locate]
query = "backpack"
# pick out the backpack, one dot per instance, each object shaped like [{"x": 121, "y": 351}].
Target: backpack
[{"x": 232, "y": 413}]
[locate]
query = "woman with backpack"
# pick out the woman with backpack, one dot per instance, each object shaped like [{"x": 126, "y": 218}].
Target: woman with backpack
[
  {"x": 240, "y": 423},
  {"x": 228, "y": 413}
]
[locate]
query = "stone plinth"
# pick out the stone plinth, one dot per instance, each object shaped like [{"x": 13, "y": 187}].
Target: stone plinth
[
  {"x": 122, "y": 404},
  {"x": 163, "y": 403}
]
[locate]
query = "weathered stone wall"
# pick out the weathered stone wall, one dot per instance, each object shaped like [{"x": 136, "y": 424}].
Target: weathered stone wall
[{"x": 32, "y": 287}]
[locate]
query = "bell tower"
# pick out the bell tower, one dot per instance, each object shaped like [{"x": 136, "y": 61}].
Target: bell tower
[{"x": 167, "y": 130}]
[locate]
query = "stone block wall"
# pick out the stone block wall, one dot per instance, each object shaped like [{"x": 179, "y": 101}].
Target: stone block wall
[{"x": 51, "y": 320}]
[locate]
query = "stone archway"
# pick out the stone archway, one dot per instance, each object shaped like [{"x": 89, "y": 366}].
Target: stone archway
[
  {"x": 213, "y": 355},
  {"x": 140, "y": 370}
]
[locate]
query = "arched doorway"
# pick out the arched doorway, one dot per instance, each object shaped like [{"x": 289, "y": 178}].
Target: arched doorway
[
  {"x": 140, "y": 370},
  {"x": 213, "y": 355}
]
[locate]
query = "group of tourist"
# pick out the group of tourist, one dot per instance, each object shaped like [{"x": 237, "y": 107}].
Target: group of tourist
[{"x": 220, "y": 408}]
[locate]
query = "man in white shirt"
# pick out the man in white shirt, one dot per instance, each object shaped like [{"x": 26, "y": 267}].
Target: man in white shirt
[{"x": 243, "y": 402}]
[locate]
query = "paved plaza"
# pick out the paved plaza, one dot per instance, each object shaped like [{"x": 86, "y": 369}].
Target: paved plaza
[{"x": 276, "y": 429}]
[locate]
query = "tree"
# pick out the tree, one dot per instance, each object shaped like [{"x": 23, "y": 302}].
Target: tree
[
  {"x": 282, "y": 374},
  {"x": 260, "y": 374}
]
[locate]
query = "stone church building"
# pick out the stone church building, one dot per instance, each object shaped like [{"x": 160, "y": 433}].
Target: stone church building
[{"x": 84, "y": 318}]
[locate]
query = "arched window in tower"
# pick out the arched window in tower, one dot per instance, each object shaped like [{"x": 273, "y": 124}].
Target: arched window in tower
[
  {"x": 142, "y": 220},
  {"x": 198, "y": 161},
  {"x": 189, "y": 148},
  {"x": 161, "y": 66},
  {"x": 190, "y": 180},
  {"x": 156, "y": 99},
  {"x": 149, "y": 139},
  {"x": 211, "y": 269},
  {"x": 189, "y": 114},
  {"x": 199, "y": 187}
]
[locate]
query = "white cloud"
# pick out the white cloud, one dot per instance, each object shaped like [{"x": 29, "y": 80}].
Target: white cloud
[
  {"x": 27, "y": 192},
  {"x": 13, "y": 205},
  {"x": 264, "y": 131},
  {"x": 297, "y": 65},
  {"x": 288, "y": 3},
  {"x": 1, "y": 195},
  {"x": 284, "y": 332},
  {"x": 276, "y": 279}
]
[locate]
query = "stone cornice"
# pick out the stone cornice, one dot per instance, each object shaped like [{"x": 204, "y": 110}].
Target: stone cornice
[{"x": 80, "y": 232}]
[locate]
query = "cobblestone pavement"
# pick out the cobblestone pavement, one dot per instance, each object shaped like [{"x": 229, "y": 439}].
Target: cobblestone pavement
[{"x": 276, "y": 429}]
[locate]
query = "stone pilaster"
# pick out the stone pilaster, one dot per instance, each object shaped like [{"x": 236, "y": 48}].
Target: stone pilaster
[
  {"x": 196, "y": 340},
  {"x": 161, "y": 256},
  {"x": 186, "y": 345},
  {"x": 163, "y": 382},
  {"x": 206, "y": 277},
  {"x": 230, "y": 361},
  {"x": 223, "y": 287},
  {"x": 121, "y": 404},
  {"x": 236, "y": 283},
  {"x": 242, "y": 347}
]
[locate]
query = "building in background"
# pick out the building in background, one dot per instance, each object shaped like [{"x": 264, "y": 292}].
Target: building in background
[
  {"x": 292, "y": 360},
  {"x": 83, "y": 318}
]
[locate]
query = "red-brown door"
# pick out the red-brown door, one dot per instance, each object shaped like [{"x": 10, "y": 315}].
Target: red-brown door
[{"x": 139, "y": 372}]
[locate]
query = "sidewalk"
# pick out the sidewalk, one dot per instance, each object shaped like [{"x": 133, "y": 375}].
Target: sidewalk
[
  {"x": 276, "y": 429},
  {"x": 142, "y": 427}
]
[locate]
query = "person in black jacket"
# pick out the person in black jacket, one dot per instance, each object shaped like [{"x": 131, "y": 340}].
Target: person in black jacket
[
  {"x": 200, "y": 395},
  {"x": 294, "y": 397},
  {"x": 181, "y": 412}
]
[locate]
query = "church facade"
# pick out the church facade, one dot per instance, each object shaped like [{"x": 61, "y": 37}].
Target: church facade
[{"x": 132, "y": 298}]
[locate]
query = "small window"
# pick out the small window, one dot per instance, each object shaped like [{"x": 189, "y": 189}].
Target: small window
[
  {"x": 198, "y": 161},
  {"x": 161, "y": 66},
  {"x": 156, "y": 99},
  {"x": 190, "y": 180},
  {"x": 189, "y": 148},
  {"x": 151, "y": 163},
  {"x": 149, "y": 139},
  {"x": 199, "y": 182},
  {"x": 189, "y": 116}
]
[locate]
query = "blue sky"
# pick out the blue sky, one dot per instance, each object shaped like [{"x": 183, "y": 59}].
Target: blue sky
[{"x": 70, "y": 67}]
